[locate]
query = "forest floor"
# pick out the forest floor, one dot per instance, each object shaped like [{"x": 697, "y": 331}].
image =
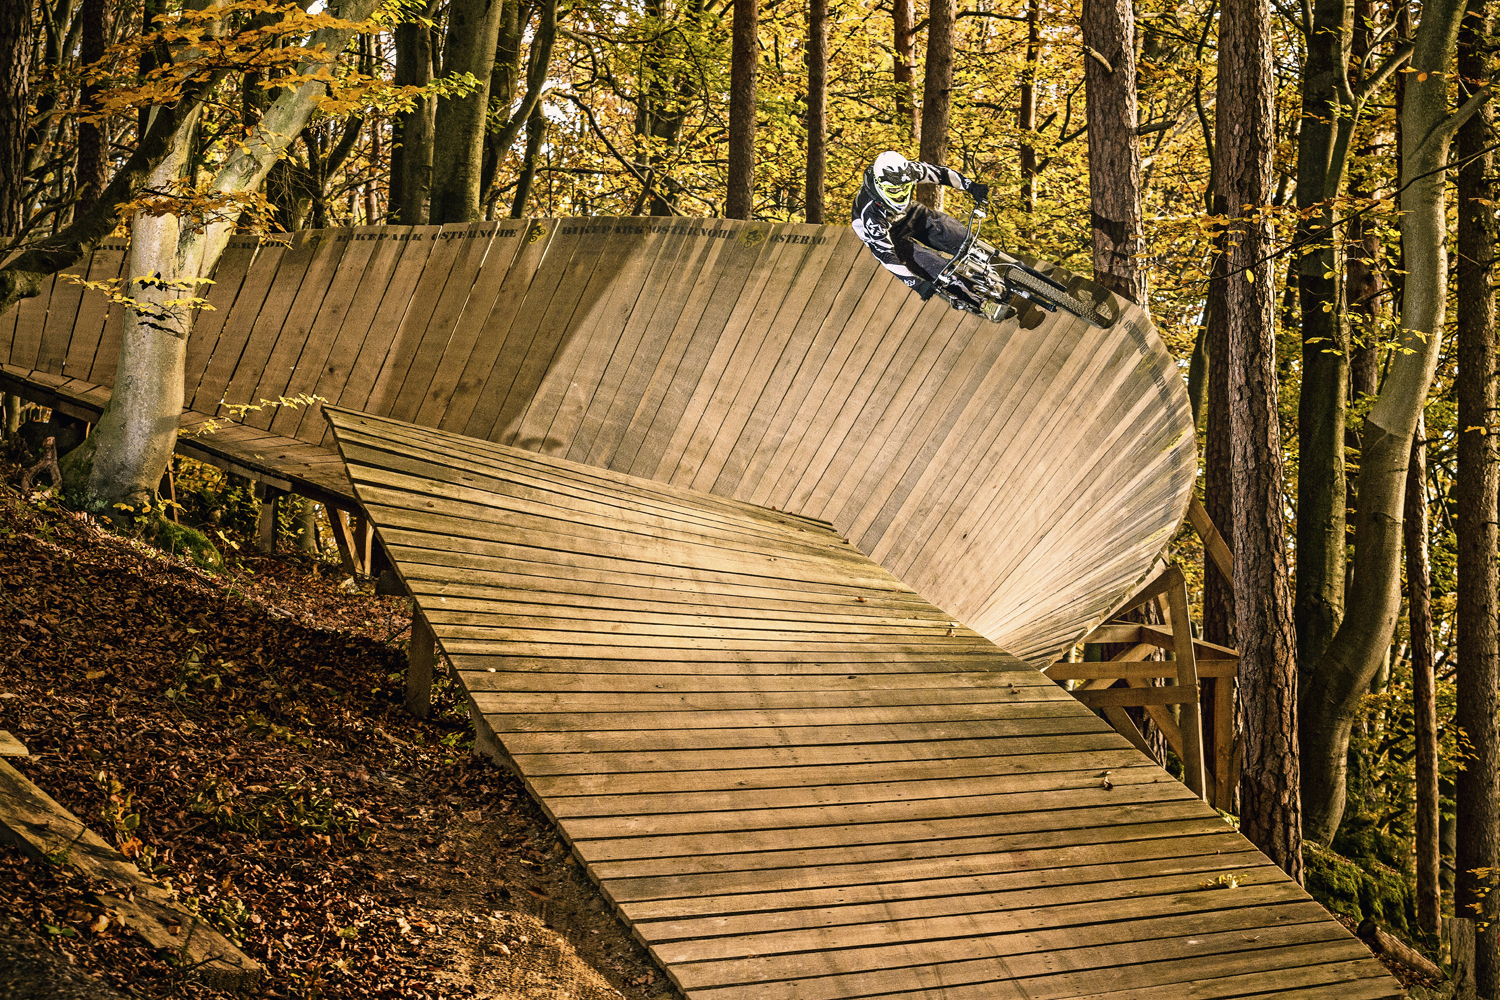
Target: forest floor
[{"x": 241, "y": 735}]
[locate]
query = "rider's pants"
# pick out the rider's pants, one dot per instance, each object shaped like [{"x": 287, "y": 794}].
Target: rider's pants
[{"x": 921, "y": 225}]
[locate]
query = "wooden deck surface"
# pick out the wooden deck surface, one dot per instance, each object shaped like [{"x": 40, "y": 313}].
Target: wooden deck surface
[
  {"x": 796, "y": 778},
  {"x": 1021, "y": 476}
]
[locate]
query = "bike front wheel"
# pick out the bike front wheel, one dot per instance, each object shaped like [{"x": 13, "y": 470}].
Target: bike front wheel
[{"x": 1040, "y": 288}]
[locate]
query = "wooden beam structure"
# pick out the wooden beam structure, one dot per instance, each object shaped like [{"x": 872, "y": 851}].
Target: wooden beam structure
[
  {"x": 1022, "y": 476},
  {"x": 797, "y": 779}
]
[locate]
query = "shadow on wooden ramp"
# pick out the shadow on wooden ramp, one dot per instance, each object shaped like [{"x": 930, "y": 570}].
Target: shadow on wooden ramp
[{"x": 796, "y": 778}]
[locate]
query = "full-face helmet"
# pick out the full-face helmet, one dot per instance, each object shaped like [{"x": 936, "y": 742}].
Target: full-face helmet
[{"x": 892, "y": 177}]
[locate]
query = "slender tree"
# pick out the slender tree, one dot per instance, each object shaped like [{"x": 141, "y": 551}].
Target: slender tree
[
  {"x": 1476, "y": 892},
  {"x": 1269, "y": 792},
  {"x": 1026, "y": 116},
  {"x": 937, "y": 93},
  {"x": 1424, "y": 686},
  {"x": 743, "y": 67},
  {"x": 1114, "y": 148},
  {"x": 817, "y": 106},
  {"x": 93, "y": 137}
]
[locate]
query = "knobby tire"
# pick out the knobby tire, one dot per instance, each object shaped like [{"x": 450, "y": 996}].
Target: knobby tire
[{"x": 1062, "y": 299}]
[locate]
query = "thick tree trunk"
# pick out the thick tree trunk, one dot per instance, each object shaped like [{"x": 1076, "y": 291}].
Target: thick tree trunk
[
  {"x": 1424, "y": 688},
  {"x": 744, "y": 66},
  {"x": 1322, "y": 142},
  {"x": 937, "y": 92},
  {"x": 15, "y": 66},
  {"x": 1269, "y": 801},
  {"x": 411, "y": 159},
  {"x": 1331, "y": 691},
  {"x": 817, "y": 106},
  {"x": 1114, "y": 148},
  {"x": 1218, "y": 469},
  {"x": 904, "y": 68},
  {"x": 1476, "y": 892},
  {"x": 93, "y": 139},
  {"x": 134, "y": 439},
  {"x": 458, "y": 138}
]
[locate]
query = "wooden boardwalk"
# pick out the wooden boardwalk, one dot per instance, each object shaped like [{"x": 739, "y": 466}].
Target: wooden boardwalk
[
  {"x": 1020, "y": 476},
  {"x": 798, "y": 780}
]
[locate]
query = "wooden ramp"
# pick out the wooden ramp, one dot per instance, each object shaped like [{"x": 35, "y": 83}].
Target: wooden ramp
[
  {"x": 795, "y": 777},
  {"x": 1021, "y": 476}
]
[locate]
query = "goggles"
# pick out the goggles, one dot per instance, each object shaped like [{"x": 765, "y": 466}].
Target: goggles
[{"x": 896, "y": 194}]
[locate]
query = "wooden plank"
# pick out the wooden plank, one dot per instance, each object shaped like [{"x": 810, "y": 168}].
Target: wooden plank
[
  {"x": 468, "y": 336},
  {"x": 424, "y": 330},
  {"x": 93, "y": 310},
  {"x": 12, "y": 747},
  {"x": 272, "y": 372},
  {"x": 31, "y": 319},
  {"x": 1213, "y": 542},
  {"x": 229, "y": 277},
  {"x": 384, "y": 324},
  {"x": 239, "y": 324},
  {"x": 487, "y": 370}
]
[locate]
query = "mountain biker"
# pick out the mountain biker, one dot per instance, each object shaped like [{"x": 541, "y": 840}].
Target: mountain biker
[{"x": 899, "y": 231}]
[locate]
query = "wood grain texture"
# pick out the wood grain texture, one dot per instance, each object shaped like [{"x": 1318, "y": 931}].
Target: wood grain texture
[{"x": 792, "y": 775}]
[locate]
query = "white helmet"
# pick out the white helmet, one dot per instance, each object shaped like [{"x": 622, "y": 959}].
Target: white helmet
[{"x": 891, "y": 177}]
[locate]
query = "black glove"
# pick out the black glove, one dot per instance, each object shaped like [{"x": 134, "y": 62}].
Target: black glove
[
  {"x": 980, "y": 192},
  {"x": 925, "y": 289}
]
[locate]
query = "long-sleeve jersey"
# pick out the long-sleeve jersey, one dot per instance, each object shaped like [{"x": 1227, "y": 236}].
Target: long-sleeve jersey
[{"x": 889, "y": 240}]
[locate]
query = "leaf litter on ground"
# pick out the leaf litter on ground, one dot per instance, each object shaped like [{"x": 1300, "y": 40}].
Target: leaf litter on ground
[{"x": 241, "y": 737}]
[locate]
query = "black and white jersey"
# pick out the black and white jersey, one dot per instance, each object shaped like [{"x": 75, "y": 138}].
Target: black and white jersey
[{"x": 883, "y": 232}]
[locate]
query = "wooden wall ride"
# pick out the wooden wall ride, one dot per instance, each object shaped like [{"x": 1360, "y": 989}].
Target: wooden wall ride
[
  {"x": 797, "y": 779},
  {"x": 1020, "y": 476}
]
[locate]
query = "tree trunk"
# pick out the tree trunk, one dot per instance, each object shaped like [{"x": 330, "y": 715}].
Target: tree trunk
[
  {"x": 93, "y": 138},
  {"x": 1026, "y": 119},
  {"x": 536, "y": 129},
  {"x": 744, "y": 65},
  {"x": 1114, "y": 148},
  {"x": 1475, "y": 896},
  {"x": 499, "y": 142},
  {"x": 15, "y": 68},
  {"x": 1218, "y": 469},
  {"x": 1331, "y": 691},
  {"x": 1321, "y": 493},
  {"x": 937, "y": 92},
  {"x": 137, "y": 433},
  {"x": 411, "y": 157},
  {"x": 458, "y": 137},
  {"x": 817, "y": 106},
  {"x": 1269, "y": 801},
  {"x": 123, "y": 458},
  {"x": 904, "y": 68},
  {"x": 1424, "y": 688}
]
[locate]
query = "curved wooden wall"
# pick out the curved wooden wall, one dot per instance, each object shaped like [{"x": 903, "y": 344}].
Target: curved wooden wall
[{"x": 1021, "y": 476}]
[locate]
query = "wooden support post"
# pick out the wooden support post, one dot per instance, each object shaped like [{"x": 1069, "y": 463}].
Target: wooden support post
[
  {"x": 1126, "y": 727},
  {"x": 1187, "y": 677},
  {"x": 1213, "y": 542},
  {"x": 421, "y": 654},
  {"x": 365, "y": 536},
  {"x": 265, "y": 527},
  {"x": 344, "y": 539},
  {"x": 1224, "y": 743},
  {"x": 167, "y": 488}
]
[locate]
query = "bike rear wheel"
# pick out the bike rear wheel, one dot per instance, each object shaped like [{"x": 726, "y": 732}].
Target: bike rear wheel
[{"x": 1067, "y": 302}]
